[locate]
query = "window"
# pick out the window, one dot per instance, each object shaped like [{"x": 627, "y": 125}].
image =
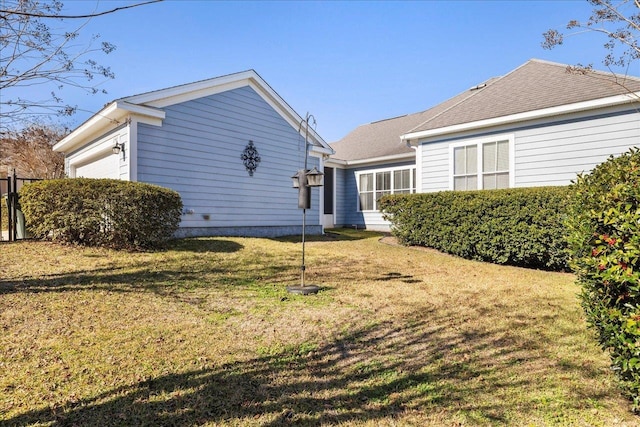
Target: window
[
  {"x": 495, "y": 165},
  {"x": 366, "y": 192},
  {"x": 465, "y": 169},
  {"x": 373, "y": 185},
  {"x": 402, "y": 181},
  {"x": 383, "y": 184},
  {"x": 481, "y": 165}
]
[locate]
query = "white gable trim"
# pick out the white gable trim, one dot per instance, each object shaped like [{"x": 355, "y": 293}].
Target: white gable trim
[
  {"x": 147, "y": 108},
  {"x": 172, "y": 96},
  {"x": 529, "y": 115},
  {"x": 183, "y": 93},
  {"x": 113, "y": 114}
]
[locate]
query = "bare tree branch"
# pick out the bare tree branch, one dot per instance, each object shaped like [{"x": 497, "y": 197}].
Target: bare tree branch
[
  {"x": 618, "y": 21},
  {"x": 90, "y": 15},
  {"x": 36, "y": 55}
]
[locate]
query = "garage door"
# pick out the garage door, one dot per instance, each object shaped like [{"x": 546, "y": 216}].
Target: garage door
[{"x": 103, "y": 167}]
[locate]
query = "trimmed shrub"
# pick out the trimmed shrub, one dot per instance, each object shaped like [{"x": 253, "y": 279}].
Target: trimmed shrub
[
  {"x": 101, "y": 212},
  {"x": 604, "y": 240},
  {"x": 521, "y": 227}
]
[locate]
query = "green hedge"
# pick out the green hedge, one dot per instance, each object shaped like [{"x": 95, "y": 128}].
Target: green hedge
[
  {"x": 520, "y": 227},
  {"x": 604, "y": 241},
  {"x": 101, "y": 212}
]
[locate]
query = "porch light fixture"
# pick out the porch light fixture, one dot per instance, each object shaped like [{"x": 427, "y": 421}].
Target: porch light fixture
[
  {"x": 312, "y": 177},
  {"x": 296, "y": 179},
  {"x": 304, "y": 180},
  {"x": 117, "y": 148}
]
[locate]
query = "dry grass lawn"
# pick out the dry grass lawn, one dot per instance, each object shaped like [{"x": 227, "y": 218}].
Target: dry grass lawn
[{"x": 206, "y": 334}]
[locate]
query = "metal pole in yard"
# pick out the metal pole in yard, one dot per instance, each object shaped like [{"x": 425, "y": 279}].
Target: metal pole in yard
[{"x": 304, "y": 201}]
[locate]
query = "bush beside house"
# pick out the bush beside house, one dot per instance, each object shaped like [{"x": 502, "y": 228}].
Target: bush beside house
[
  {"x": 604, "y": 240},
  {"x": 521, "y": 227},
  {"x": 101, "y": 212}
]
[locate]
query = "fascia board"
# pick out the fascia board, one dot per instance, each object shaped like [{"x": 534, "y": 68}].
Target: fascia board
[
  {"x": 322, "y": 150},
  {"x": 113, "y": 113},
  {"x": 342, "y": 164},
  {"x": 529, "y": 115},
  {"x": 376, "y": 160},
  {"x": 173, "y": 96},
  {"x": 98, "y": 121},
  {"x": 142, "y": 110},
  {"x": 164, "y": 97}
]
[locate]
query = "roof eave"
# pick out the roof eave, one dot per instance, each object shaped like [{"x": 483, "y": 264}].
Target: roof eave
[
  {"x": 414, "y": 137},
  {"x": 381, "y": 159},
  {"x": 111, "y": 114},
  {"x": 322, "y": 150}
]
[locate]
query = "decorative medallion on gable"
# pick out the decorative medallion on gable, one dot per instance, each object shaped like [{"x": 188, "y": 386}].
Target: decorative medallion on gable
[{"x": 250, "y": 158}]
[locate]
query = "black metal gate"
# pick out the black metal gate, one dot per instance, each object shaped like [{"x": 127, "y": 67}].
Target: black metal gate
[{"x": 12, "y": 216}]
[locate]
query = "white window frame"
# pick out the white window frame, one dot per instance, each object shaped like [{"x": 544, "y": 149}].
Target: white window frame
[
  {"x": 412, "y": 178},
  {"x": 479, "y": 142}
]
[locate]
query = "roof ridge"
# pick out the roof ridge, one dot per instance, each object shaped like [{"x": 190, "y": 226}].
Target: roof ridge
[
  {"x": 591, "y": 70},
  {"x": 390, "y": 118},
  {"x": 610, "y": 77},
  {"x": 477, "y": 89}
]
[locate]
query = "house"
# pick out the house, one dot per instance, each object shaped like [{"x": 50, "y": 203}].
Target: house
[
  {"x": 537, "y": 125},
  {"x": 229, "y": 145}
]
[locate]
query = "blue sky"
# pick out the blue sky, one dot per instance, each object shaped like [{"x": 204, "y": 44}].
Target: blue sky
[{"x": 347, "y": 63}]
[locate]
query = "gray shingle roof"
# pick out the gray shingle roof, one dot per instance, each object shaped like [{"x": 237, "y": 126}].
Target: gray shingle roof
[
  {"x": 533, "y": 86},
  {"x": 377, "y": 139},
  {"x": 382, "y": 138}
]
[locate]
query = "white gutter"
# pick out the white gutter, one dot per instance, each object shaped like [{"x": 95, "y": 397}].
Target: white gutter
[
  {"x": 412, "y": 137},
  {"x": 382, "y": 159}
]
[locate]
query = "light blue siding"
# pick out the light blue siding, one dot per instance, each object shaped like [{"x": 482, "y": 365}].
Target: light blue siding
[
  {"x": 197, "y": 152},
  {"x": 545, "y": 152},
  {"x": 554, "y": 155},
  {"x": 352, "y": 217},
  {"x": 348, "y": 214},
  {"x": 340, "y": 197},
  {"x": 435, "y": 167}
]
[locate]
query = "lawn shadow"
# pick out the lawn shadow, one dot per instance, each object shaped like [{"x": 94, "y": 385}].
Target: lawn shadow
[
  {"x": 374, "y": 372},
  {"x": 205, "y": 244},
  {"x": 146, "y": 276},
  {"x": 405, "y": 278},
  {"x": 157, "y": 276},
  {"x": 332, "y": 235},
  {"x": 102, "y": 278}
]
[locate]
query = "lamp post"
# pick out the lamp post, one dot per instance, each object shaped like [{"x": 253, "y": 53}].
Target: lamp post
[{"x": 303, "y": 180}]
